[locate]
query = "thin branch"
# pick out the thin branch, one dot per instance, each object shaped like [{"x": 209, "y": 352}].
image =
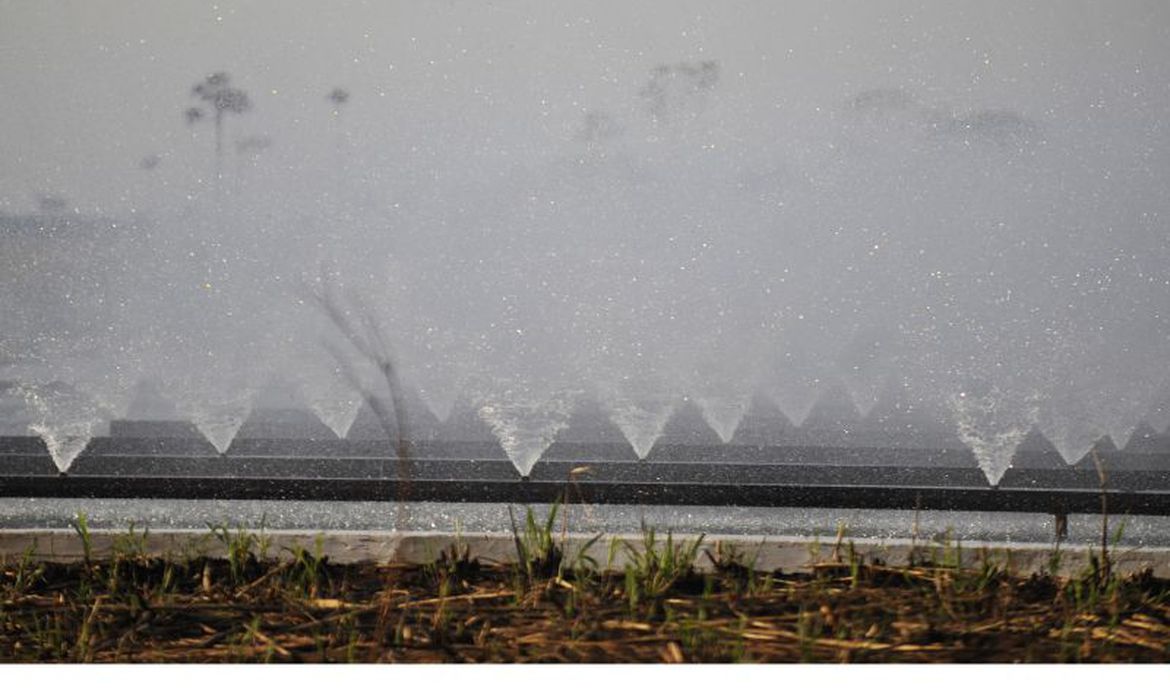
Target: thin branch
[{"x": 368, "y": 340}]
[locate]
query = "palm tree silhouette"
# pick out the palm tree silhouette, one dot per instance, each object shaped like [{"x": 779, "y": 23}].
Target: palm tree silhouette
[
  {"x": 217, "y": 91},
  {"x": 338, "y": 96}
]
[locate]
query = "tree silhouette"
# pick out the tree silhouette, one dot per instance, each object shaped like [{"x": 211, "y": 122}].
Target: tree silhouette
[
  {"x": 217, "y": 91},
  {"x": 597, "y": 126},
  {"x": 678, "y": 88},
  {"x": 338, "y": 96}
]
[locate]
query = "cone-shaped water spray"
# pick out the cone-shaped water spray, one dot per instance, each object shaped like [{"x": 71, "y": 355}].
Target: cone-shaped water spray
[
  {"x": 525, "y": 421},
  {"x": 337, "y": 405},
  {"x": 992, "y": 424},
  {"x": 218, "y": 419},
  {"x": 724, "y": 413},
  {"x": 64, "y": 418}
]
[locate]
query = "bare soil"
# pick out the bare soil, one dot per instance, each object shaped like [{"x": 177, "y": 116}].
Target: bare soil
[{"x": 306, "y": 609}]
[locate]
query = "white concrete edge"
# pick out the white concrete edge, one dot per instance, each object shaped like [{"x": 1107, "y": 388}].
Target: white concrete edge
[{"x": 787, "y": 553}]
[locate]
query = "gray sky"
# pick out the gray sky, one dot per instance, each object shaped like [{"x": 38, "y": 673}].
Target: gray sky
[
  {"x": 93, "y": 86},
  {"x": 966, "y": 199}
]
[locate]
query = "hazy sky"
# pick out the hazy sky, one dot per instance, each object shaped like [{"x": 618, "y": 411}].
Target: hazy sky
[
  {"x": 93, "y": 86},
  {"x": 987, "y": 220}
]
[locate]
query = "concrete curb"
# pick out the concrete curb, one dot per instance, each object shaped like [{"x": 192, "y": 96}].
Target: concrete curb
[{"x": 788, "y": 554}]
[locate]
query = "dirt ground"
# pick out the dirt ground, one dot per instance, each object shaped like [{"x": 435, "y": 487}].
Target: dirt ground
[{"x": 300, "y": 607}]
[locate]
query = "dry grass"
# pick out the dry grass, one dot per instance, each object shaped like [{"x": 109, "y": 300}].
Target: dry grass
[{"x": 130, "y": 608}]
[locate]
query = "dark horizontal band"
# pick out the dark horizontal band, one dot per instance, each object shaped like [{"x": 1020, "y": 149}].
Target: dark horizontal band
[{"x": 485, "y": 481}]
